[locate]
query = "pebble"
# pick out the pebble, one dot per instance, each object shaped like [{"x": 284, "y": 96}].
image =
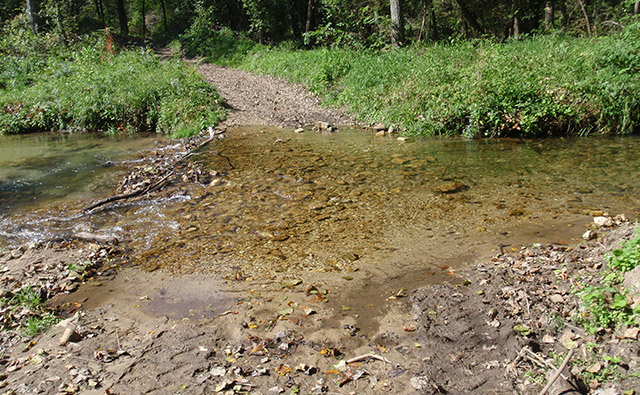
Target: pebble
[{"x": 556, "y": 298}]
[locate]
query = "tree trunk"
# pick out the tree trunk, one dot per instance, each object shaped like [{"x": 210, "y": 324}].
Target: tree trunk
[
  {"x": 636, "y": 8},
  {"x": 424, "y": 20},
  {"x": 586, "y": 16},
  {"x": 32, "y": 12},
  {"x": 469, "y": 17},
  {"x": 397, "y": 22},
  {"x": 122, "y": 18},
  {"x": 516, "y": 26},
  {"x": 144, "y": 17},
  {"x": 309, "y": 25},
  {"x": 100, "y": 11},
  {"x": 433, "y": 28},
  {"x": 549, "y": 11},
  {"x": 164, "y": 14}
]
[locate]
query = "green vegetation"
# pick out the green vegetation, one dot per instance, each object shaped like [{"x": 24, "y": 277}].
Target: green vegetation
[
  {"x": 90, "y": 87},
  {"x": 608, "y": 305},
  {"x": 537, "y": 86},
  {"x": 26, "y": 310}
]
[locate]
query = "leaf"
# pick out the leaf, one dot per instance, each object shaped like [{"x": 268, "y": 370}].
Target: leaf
[
  {"x": 285, "y": 311},
  {"x": 522, "y": 330}
]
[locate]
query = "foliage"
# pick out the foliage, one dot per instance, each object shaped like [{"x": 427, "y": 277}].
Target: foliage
[
  {"x": 220, "y": 45},
  {"x": 608, "y": 305},
  {"x": 538, "y": 86},
  {"x": 88, "y": 88},
  {"x": 627, "y": 257}
]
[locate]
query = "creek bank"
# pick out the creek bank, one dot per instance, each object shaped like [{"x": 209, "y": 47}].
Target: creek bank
[
  {"x": 513, "y": 320},
  {"x": 498, "y": 330}
]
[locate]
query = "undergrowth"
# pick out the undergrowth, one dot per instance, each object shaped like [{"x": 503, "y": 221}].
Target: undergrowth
[
  {"x": 608, "y": 305},
  {"x": 536, "y": 86},
  {"x": 90, "y": 88}
]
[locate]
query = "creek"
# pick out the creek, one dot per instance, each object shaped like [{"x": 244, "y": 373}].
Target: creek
[{"x": 350, "y": 202}]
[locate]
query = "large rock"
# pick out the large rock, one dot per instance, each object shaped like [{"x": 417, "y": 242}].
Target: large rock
[{"x": 632, "y": 281}]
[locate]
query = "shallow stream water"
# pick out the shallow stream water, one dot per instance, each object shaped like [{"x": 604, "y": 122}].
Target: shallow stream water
[{"x": 285, "y": 203}]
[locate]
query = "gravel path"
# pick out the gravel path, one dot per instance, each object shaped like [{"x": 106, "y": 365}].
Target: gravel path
[{"x": 266, "y": 100}]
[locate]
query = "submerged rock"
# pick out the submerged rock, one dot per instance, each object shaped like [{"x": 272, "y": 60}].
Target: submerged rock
[{"x": 451, "y": 187}]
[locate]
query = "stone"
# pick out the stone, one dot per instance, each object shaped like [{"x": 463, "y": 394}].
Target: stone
[
  {"x": 69, "y": 335},
  {"x": 451, "y": 187},
  {"x": 379, "y": 126},
  {"x": 556, "y": 298},
  {"x": 590, "y": 235},
  {"x": 601, "y": 222},
  {"x": 381, "y": 133},
  {"x": 299, "y": 130},
  {"x": 632, "y": 280}
]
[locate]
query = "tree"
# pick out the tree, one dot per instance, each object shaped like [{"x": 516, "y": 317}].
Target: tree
[
  {"x": 32, "y": 12},
  {"x": 397, "y": 22},
  {"x": 122, "y": 17}
]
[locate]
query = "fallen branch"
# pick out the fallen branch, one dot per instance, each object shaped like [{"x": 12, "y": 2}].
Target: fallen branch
[
  {"x": 370, "y": 356},
  {"x": 158, "y": 184},
  {"x": 558, "y": 372}
]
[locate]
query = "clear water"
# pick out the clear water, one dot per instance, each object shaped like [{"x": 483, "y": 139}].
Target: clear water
[{"x": 286, "y": 203}]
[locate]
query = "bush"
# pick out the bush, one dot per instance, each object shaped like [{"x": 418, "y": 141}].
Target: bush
[{"x": 87, "y": 88}]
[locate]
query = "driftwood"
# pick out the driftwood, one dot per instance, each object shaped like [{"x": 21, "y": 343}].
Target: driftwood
[{"x": 158, "y": 184}]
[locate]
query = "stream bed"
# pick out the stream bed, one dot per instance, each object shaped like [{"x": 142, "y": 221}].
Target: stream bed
[{"x": 350, "y": 202}]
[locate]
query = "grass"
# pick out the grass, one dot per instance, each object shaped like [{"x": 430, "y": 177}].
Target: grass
[
  {"x": 537, "y": 86},
  {"x": 26, "y": 310},
  {"x": 89, "y": 88}
]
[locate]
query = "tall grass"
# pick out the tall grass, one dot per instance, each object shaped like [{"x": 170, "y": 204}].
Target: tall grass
[
  {"x": 537, "y": 86},
  {"x": 91, "y": 89}
]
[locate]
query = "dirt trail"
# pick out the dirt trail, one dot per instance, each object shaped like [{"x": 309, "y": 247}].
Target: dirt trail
[{"x": 266, "y": 100}]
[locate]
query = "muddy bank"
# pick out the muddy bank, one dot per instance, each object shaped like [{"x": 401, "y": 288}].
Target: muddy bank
[{"x": 161, "y": 333}]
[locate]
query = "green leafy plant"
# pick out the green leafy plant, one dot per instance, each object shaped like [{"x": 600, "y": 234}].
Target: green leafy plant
[{"x": 608, "y": 304}]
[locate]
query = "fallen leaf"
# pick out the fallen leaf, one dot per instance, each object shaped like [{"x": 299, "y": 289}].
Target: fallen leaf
[
  {"x": 631, "y": 333},
  {"x": 409, "y": 328},
  {"x": 283, "y": 370},
  {"x": 522, "y": 330}
]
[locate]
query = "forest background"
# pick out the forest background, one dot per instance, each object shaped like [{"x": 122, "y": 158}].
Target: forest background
[{"x": 496, "y": 68}]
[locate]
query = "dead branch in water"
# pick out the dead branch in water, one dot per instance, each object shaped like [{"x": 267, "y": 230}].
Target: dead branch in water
[{"x": 157, "y": 185}]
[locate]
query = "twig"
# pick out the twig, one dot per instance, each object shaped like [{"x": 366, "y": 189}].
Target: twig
[
  {"x": 558, "y": 372},
  {"x": 370, "y": 356},
  {"x": 118, "y": 340}
]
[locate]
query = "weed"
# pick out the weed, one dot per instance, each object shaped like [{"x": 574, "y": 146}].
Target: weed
[
  {"x": 608, "y": 304},
  {"x": 28, "y": 297},
  {"x": 85, "y": 88},
  {"x": 37, "y": 323}
]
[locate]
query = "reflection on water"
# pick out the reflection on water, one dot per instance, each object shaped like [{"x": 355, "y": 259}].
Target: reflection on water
[
  {"x": 287, "y": 202},
  {"x": 37, "y": 169}
]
